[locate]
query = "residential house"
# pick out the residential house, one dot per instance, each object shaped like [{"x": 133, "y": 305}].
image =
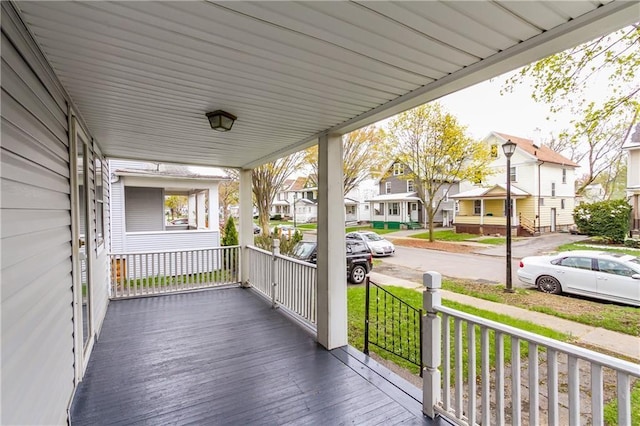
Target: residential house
[
  {"x": 139, "y": 217},
  {"x": 357, "y": 208},
  {"x": 82, "y": 82},
  {"x": 542, "y": 191},
  {"x": 591, "y": 193},
  {"x": 398, "y": 204},
  {"x": 633, "y": 179}
]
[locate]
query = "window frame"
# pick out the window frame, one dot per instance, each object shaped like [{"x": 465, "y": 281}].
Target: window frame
[
  {"x": 387, "y": 187},
  {"x": 553, "y": 189},
  {"x": 513, "y": 174},
  {"x": 398, "y": 169},
  {"x": 564, "y": 175},
  {"x": 394, "y": 206},
  {"x": 411, "y": 187},
  {"x": 99, "y": 202},
  {"x": 477, "y": 208}
]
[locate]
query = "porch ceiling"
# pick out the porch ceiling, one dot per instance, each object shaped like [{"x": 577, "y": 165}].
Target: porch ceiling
[{"x": 143, "y": 74}]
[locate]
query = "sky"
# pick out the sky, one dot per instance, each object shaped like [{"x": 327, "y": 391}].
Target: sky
[{"x": 483, "y": 109}]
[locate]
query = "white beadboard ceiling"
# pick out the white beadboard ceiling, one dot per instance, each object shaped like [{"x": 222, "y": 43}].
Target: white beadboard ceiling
[{"x": 143, "y": 74}]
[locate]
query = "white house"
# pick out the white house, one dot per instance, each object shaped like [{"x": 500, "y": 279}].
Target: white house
[
  {"x": 139, "y": 220},
  {"x": 543, "y": 191},
  {"x": 633, "y": 178},
  {"x": 82, "y": 82}
]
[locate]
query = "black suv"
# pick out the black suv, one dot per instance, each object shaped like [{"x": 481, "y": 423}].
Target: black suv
[{"x": 358, "y": 258}]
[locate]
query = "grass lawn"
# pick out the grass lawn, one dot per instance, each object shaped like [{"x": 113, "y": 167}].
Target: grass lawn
[
  {"x": 307, "y": 226},
  {"x": 600, "y": 247},
  {"x": 356, "y": 313},
  {"x": 623, "y": 319},
  {"x": 449, "y": 235},
  {"x": 611, "y": 409}
]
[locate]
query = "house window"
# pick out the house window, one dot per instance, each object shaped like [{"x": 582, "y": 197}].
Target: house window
[
  {"x": 99, "y": 183},
  {"x": 366, "y": 207},
  {"x": 564, "y": 175},
  {"x": 541, "y": 202},
  {"x": 504, "y": 208},
  {"x": 562, "y": 203},
  {"x": 387, "y": 187},
  {"x": 410, "y": 186},
  {"x": 394, "y": 209},
  {"x": 553, "y": 189},
  {"x": 494, "y": 151},
  {"x": 398, "y": 169},
  {"x": 513, "y": 174},
  {"x": 477, "y": 207},
  {"x": 380, "y": 209}
]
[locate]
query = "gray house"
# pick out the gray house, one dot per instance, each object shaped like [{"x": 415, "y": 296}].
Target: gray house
[
  {"x": 86, "y": 81},
  {"x": 398, "y": 204}
]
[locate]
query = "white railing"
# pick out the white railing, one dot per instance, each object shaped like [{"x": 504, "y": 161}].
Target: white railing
[
  {"x": 161, "y": 272},
  {"x": 562, "y": 382},
  {"x": 288, "y": 282}
]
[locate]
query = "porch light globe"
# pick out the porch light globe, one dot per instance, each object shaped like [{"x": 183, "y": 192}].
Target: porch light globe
[{"x": 508, "y": 148}]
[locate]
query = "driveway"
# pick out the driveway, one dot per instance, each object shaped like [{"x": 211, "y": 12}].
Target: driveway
[{"x": 531, "y": 246}]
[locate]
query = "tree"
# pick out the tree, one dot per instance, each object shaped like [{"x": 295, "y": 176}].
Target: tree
[
  {"x": 601, "y": 124},
  {"x": 435, "y": 147},
  {"x": 175, "y": 204},
  {"x": 228, "y": 192},
  {"x": 267, "y": 179},
  {"x": 363, "y": 152},
  {"x": 230, "y": 237}
]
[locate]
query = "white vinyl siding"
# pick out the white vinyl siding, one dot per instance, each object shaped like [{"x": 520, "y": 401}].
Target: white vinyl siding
[
  {"x": 37, "y": 311},
  {"x": 144, "y": 209}
]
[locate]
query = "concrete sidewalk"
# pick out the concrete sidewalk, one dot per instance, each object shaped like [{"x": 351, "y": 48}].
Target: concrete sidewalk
[{"x": 599, "y": 338}]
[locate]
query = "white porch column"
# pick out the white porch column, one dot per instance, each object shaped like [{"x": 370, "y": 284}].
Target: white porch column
[
  {"x": 481, "y": 212},
  {"x": 191, "y": 213},
  {"x": 214, "y": 208},
  {"x": 332, "y": 280},
  {"x": 200, "y": 210},
  {"x": 246, "y": 223}
]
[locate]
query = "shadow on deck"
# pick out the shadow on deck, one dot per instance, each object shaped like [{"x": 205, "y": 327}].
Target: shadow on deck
[{"x": 225, "y": 357}]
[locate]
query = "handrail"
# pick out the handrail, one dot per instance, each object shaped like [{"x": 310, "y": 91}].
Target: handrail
[{"x": 124, "y": 253}]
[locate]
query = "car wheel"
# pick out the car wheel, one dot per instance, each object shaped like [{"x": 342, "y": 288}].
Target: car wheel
[
  {"x": 358, "y": 274},
  {"x": 548, "y": 284}
]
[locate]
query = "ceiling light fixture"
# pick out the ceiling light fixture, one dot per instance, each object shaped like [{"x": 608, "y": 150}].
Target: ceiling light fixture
[{"x": 221, "y": 121}]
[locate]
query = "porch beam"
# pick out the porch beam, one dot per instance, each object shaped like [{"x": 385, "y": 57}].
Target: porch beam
[
  {"x": 332, "y": 280},
  {"x": 246, "y": 223}
]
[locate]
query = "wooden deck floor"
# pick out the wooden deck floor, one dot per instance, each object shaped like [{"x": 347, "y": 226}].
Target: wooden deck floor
[{"x": 225, "y": 357}]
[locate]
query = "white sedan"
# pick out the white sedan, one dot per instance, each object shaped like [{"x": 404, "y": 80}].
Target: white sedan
[
  {"x": 378, "y": 245},
  {"x": 609, "y": 276}
]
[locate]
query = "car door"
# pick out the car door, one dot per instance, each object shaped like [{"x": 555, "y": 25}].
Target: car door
[
  {"x": 576, "y": 275},
  {"x": 614, "y": 282}
]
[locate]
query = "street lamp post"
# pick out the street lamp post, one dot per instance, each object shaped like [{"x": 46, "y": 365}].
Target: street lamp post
[
  {"x": 294, "y": 210},
  {"x": 508, "y": 148}
]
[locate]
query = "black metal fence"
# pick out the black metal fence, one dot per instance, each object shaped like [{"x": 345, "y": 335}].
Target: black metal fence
[{"x": 392, "y": 324}]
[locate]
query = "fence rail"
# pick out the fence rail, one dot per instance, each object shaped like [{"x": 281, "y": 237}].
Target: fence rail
[
  {"x": 288, "y": 282},
  {"x": 527, "y": 378},
  {"x": 392, "y": 324},
  {"x": 161, "y": 272}
]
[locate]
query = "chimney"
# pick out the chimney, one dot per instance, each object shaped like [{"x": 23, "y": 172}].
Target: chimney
[{"x": 537, "y": 137}]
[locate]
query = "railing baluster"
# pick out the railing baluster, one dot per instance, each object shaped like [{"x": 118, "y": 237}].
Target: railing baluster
[
  {"x": 499, "y": 350},
  {"x": 552, "y": 386},
  {"x": 534, "y": 391},
  {"x": 516, "y": 405},
  {"x": 624, "y": 399},
  {"x": 446, "y": 362},
  {"x": 457, "y": 355},
  {"x": 597, "y": 395},
  {"x": 471, "y": 363},
  {"x": 486, "y": 376},
  {"x": 574, "y": 391}
]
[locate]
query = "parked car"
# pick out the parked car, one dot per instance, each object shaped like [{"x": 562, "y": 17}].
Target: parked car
[
  {"x": 181, "y": 221},
  {"x": 377, "y": 244},
  {"x": 359, "y": 259},
  {"x": 256, "y": 229},
  {"x": 608, "y": 276},
  {"x": 285, "y": 231}
]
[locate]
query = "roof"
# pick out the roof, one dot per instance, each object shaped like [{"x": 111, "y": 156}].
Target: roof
[
  {"x": 401, "y": 196},
  {"x": 298, "y": 184},
  {"x": 634, "y": 140},
  {"x": 350, "y": 202},
  {"x": 541, "y": 152},
  {"x": 142, "y": 75},
  {"x": 496, "y": 191}
]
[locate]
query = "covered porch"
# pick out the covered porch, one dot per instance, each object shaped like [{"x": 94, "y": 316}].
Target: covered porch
[
  {"x": 83, "y": 82},
  {"x": 190, "y": 358}
]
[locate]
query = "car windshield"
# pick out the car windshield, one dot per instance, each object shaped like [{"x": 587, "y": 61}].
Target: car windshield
[
  {"x": 373, "y": 237},
  {"x": 635, "y": 260},
  {"x": 303, "y": 250}
]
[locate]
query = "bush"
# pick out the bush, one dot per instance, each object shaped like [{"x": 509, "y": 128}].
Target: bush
[
  {"x": 632, "y": 243},
  {"x": 276, "y": 217},
  {"x": 265, "y": 242},
  {"x": 230, "y": 235},
  {"x": 609, "y": 219}
]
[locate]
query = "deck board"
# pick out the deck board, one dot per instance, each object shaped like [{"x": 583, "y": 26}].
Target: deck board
[{"x": 225, "y": 357}]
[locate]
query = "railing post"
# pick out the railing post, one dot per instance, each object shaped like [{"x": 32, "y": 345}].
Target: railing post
[
  {"x": 366, "y": 317},
  {"x": 431, "y": 343},
  {"x": 275, "y": 250}
]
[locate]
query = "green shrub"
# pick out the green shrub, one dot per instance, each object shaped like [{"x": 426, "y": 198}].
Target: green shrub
[
  {"x": 609, "y": 219},
  {"x": 230, "y": 235},
  {"x": 632, "y": 242},
  {"x": 276, "y": 217},
  {"x": 265, "y": 242}
]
